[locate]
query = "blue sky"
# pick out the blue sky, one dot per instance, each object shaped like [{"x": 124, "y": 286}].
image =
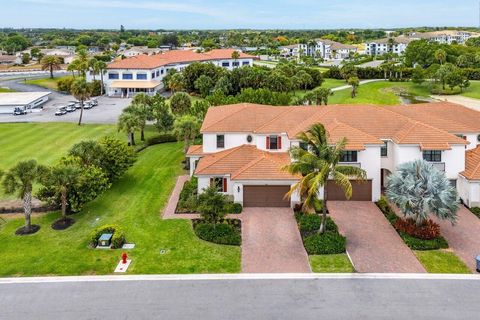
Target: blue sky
[{"x": 216, "y": 14}]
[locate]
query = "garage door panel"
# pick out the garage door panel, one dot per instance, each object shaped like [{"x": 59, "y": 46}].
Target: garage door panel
[
  {"x": 265, "y": 196},
  {"x": 361, "y": 191}
]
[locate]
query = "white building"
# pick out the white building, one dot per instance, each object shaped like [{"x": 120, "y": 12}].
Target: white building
[
  {"x": 28, "y": 101},
  {"x": 144, "y": 73},
  {"x": 245, "y": 147},
  {"x": 396, "y": 45},
  {"x": 319, "y": 48},
  {"x": 445, "y": 36}
]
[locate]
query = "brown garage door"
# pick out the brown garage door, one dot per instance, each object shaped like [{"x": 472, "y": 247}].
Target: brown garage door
[
  {"x": 361, "y": 191},
  {"x": 265, "y": 196}
]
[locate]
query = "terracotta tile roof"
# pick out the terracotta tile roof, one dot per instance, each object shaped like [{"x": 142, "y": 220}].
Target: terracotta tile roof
[
  {"x": 430, "y": 125},
  {"x": 195, "y": 150},
  {"x": 472, "y": 164},
  {"x": 246, "y": 162},
  {"x": 172, "y": 57}
]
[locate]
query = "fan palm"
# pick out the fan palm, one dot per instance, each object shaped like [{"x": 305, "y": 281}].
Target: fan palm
[
  {"x": 82, "y": 91},
  {"x": 128, "y": 122},
  {"x": 318, "y": 164},
  {"x": 50, "y": 63}
]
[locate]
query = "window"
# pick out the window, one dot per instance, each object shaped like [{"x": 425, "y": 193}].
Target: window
[
  {"x": 225, "y": 64},
  {"x": 384, "y": 149},
  {"x": 304, "y": 146},
  {"x": 274, "y": 143},
  {"x": 161, "y": 71},
  {"x": 127, "y": 76},
  {"x": 220, "y": 141},
  {"x": 158, "y": 73},
  {"x": 235, "y": 63},
  {"x": 349, "y": 156},
  {"x": 113, "y": 76},
  {"x": 141, "y": 76},
  {"x": 245, "y": 63},
  {"x": 432, "y": 155},
  {"x": 153, "y": 75},
  {"x": 219, "y": 183}
]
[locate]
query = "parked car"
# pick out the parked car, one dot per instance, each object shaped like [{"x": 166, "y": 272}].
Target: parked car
[
  {"x": 70, "y": 108},
  {"x": 19, "y": 112},
  {"x": 94, "y": 102},
  {"x": 60, "y": 112},
  {"x": 87, "y": 105}
]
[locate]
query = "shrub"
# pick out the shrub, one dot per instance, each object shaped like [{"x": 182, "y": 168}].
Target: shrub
[
  {"x": 427, "y": 231},
  {"x": 235, "y": 208},
  {"x": 65, "y": 84},
  {"x": 118, "y": 238},
  {"x": 309, "y": 222},
  {"x": 420, "y": 244},
  {"x": 218, "y": 233},
  {"x": 328, "y": 243},
  {"x": 117, "y": 157},
  {"x": 475, "y": 211},
  {"x": 387, "y": 211},
  {"x": 161, "y": 138},
  {"x": 212, "y": 205}
]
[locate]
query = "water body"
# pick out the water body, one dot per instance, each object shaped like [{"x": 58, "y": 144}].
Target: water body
[{"x": 406, "y": 98}]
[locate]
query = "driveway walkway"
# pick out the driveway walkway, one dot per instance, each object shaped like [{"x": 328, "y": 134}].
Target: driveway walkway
[
  {"x": 271, "y": 242},
  {"x": 372, "y": 243},
  {"x": 464, "y": 237},
  {"x": 465, "y": 101}
]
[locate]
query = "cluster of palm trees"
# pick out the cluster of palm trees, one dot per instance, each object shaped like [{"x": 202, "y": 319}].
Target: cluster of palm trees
[{"x": 317, "y": 163}]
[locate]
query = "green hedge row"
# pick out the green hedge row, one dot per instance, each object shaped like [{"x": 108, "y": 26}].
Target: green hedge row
[{"x": 223, "y": 233}]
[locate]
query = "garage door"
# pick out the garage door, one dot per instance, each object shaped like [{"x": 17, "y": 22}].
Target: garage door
[
  {"x": 265, "y": 196},
  {"x": 361, "y": 191}
]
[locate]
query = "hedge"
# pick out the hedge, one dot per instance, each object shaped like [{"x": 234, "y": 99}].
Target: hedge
[
  {"x": 161, "y": 138},
  {"x": 222, "y": 233},
  {"x": 329, "y": 242},
  {"x": 118, "y": 238},
  {"x": 475, "y": 211}
]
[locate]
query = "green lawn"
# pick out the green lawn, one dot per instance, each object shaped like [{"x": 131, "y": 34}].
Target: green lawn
[
  {"x": 46, "y": 82},
  {"x": 46, "y": 142},
  {"x": 6, "y": 90},
  {"x": 334, "y": 263},
  {"x": 473, "y": 91},
  {"x": 134, "y": 202},
  {"x": 441, "y": 261}
]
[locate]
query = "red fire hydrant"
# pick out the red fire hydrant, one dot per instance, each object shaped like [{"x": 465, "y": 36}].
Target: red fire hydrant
[{"x": 124, "y": 258}]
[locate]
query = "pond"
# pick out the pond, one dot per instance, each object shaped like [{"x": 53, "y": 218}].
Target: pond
[{"x": 406, "y": 98}]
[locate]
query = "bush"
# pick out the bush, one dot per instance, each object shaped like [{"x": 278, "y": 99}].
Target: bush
[
  {"x": 161, "y": 138},
  {"x": 328, "y": 243},
  {"x": 309, "y": 222},
  {"x": 117, "y": 157},
  {"x": 475, "y": 211},
  {"x": 65, "y": 84},
  {"x": 387, "y": 211},
  {"x": 118, "y": 238},
  {"x": 420, "y": 244},
  {"x": 96, "y": 87},
  {"x": 235, "y": 208},
  {"x": 218, "y": 233},
  {"x": 428, "y": 231}
]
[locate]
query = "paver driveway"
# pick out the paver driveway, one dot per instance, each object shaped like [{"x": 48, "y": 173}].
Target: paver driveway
[
  {"x": 271, "y": 242},
  {"x": 372, "y": 243},
  {"x": 463, "y": 237}
]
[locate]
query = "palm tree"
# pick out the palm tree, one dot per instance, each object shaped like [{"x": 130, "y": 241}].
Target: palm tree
[
  {"x": 50, "y": 63},
  {"x": 418, "y": 189},
  {"x": 186, "y": 128},
  {"x": 82, "y": 91},
  {"x": 440, "y": 56},
  {"x": 142, "y": 112},
  {"x": 62, "y": 178},
  {"x": 101, "y": 66},
  {"x": 20, "y": 180},
  {"x": 72, "y": 67},
  {"x": 235, "y": 56},
  {"x": 317, "y": 165},
  {"x": 82, "y": 62},
  {"x": 176, "y": 82},
  {"x": 355, "y": 83},
  {"x": 128, "y": 122}
]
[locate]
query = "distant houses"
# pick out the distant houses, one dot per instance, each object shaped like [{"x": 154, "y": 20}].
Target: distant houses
[
  {"x": 320, "y": 49},
  {"x": 379, "y": 47}
]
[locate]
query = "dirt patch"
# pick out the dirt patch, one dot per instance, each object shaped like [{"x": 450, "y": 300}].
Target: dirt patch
[
  {"x": 24, "y": 232},
  {"x": 63, "y": 223}
]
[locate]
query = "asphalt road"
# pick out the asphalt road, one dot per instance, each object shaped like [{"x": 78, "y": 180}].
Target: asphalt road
[{"x": 351, "y": 298}]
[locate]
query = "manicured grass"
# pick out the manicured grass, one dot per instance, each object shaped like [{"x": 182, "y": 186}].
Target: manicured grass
[
  {"x": 334, "y": 263},
  {"x": 134, "y": 202},
  {"x": 6, "y": 90},
  {"x": 327, "y": 83},
  {"x": 47, "y": 142},
  {"x": 46, "y": 82},
  {"x": 441, "y": 261},
  {"x": 473, "y": 91}
]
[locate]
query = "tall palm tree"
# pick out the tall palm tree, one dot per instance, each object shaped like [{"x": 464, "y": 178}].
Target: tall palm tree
[
  {"x": 62, "y": 178},
  {"x": 440, "y": 56},
  {"x": 235, "y": 56},
  {"x": 72, "y": 67},
  {"x": 101, "y": 66},
  {"x": 83, "y": 62},
  {"x": 128, "y": 122},
  {"x": 354, "y": 82},
  {"x": 142, "y": 112},
  {"x": 319, "y": 164},
  {"x": 50, "y": 63},
  {"x": 20, "y": 180},
  {"x": 82, "y": 91},
  {"x": 92, "y": 66},
  {"x": 186, "y": 128}
]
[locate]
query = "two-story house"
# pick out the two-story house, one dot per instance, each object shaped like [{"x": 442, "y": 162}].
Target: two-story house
[
  {"x": 245, "y": 146},
  {"x": 144, "y": 73}
]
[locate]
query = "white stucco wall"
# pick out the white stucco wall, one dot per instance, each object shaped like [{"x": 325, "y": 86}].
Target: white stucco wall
[
  {"x": 469, "y": 191},
  {"x": 454, "y": 161},
  {"x": 472, "y": 138},
  {"x": 370, "y": 161},
  {"x": 232, "y": 140},
  {"x": 261, "y": 141},
  {"x": 388, "y": 162}
]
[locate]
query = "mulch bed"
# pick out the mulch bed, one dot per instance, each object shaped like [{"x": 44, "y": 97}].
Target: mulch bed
[
  {"x": 62, "y": 223},
  {"x": 23, "y": 232}
]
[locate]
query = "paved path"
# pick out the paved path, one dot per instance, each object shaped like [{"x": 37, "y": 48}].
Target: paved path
[
  {"x": 372, "y": 243},
  {"x": 464, "y": 237},
  {"x": 169, "y": 211},
  {"x": 361, "y": 83},
  {"x": 290, "y": 298},
  {"x": 465, "y": 101},
  {"x": 271, "y": 242}
]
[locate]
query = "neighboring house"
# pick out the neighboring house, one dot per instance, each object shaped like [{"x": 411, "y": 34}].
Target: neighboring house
[
  {"x": 246, "y": 145},
  {"x": 66, "y": 54},
  {"x": 9, "y": 60},
  {"x": 379, "y": 47},
  {"x": 326, "y": 49},
  {"x": 445, "y": 36},
  {"x": 290, "y": 51},
  {"x": 144, "y": 73},
  {"x": 136, "y": 51}
]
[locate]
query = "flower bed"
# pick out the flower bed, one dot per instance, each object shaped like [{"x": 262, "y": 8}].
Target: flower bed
[
  {"x": 330, "y": 242},
  {"x": 426, "y": 237},
  {"x": 228, "y": 232}
]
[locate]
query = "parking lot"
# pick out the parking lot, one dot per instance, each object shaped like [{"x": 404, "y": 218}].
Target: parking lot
[{"x": 107, "y": 111}]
